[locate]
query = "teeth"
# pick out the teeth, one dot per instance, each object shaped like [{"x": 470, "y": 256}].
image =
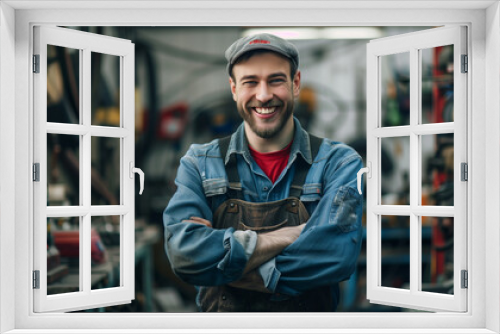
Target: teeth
[{"x": 265, "y": 111}]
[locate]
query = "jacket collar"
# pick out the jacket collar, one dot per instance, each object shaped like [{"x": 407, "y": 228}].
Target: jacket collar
[{"x": 301, "y": 144}]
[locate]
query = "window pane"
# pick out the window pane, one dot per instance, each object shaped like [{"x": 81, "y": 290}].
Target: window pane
[
  {"x": 105, "y": 99},
  {"x": 63, "y": 255},
  {"x": 395, "y": 89},
  {"x": 105, "y": 252},
  {"x": 395, "y": 171},
  {"x": 437, "y": 169},
  {"x": 63, "y": 170},
  {"x": 437, "y": 84},
  {"x": 437, "y": 254},
  {"x": 63, "y": 85},
  {"x": 105, "y": 170},
  {"x": 395, "y": 243}
]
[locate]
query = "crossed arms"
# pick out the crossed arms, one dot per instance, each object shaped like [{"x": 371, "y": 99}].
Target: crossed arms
[
  {"x": 322, "y": 252},
  {"x": 268, "y": 246}
]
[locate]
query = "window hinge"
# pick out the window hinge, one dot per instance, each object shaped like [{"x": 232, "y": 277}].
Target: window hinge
[
  {"x": 36, "y": 63},
  {"x": 465, "y": 279},
  {"x": 465, "y": 64},
  {"x": 36, "y": 279},
  {"x": 36, "y": 172},
  {"x": 464, "y": 171}
]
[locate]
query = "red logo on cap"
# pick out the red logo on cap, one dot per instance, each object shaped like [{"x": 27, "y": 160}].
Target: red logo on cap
[{"x": 259, "y": 41}]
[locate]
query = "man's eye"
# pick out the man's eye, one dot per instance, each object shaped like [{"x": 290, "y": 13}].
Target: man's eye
[
  {"x": 250, "y": 83},
  {"x": 277, "y": 81}
]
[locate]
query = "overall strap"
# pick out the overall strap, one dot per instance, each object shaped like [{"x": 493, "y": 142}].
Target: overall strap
[
  {"x": 302, "y": 168},
  {"x": 233, "y": 177}
]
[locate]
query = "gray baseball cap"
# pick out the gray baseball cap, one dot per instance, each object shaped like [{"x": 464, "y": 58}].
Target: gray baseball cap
[{"x": 262, "y": 41}]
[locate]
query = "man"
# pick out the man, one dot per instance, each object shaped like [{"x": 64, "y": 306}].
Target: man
[{"x": 268, "y": 219}]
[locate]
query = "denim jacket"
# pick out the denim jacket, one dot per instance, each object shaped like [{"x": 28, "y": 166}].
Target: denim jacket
[{"x": 325, "y": 253}]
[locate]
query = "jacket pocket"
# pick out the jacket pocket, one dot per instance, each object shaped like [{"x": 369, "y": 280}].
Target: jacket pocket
[
  {"x": 344, "y": 209},
  {"x": 216, "y": 186}
]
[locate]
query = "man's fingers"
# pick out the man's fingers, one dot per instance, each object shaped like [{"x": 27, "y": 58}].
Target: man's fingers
[
  {"x": 201, "y": 220},
  {"x": 198, "y": 220}
]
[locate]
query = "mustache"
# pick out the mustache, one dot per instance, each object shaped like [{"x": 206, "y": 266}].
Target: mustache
[{"x": 270, "y": 104}]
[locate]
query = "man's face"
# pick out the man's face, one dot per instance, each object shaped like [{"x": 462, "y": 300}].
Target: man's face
[{"x": 264, "y": 93}]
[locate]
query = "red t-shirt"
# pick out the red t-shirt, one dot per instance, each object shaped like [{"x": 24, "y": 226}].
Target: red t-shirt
[{"x": 272, "y": 163}]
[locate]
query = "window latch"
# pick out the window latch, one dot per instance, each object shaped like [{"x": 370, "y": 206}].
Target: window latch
[
  {"x": 141, "y": 175},
  {"x": 368, "y": 171}
]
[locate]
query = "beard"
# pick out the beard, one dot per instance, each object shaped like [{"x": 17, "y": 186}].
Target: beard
[{"x": 267, "y": 133}]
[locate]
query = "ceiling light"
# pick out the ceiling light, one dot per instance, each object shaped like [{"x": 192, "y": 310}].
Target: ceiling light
[{"x": 319, "y": 32}]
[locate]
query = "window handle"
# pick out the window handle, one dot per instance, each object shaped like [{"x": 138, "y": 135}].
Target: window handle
[
  {"x": 368, "y": 171},
  {"x": 141, "y": 175}
]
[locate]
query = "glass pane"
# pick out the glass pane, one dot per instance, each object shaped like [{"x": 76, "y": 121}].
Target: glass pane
[
  {"x": 437, "y": 169},
  {"x": 105, "y": 170},
  {"x": 437, "y": 84},
  {"x": 395, "y": 233},
  {"x": 63, "y": 170},
  {"x": 395, "y": 89},
  {"x": 105, "y": 99},
  {"x": 105, "y": 252},
  {"x": 437, "y": 254},
  {"x": 395, "y": 171},
  {"x": 63, "y": 255},
  {"x": 63, "y": 85}
]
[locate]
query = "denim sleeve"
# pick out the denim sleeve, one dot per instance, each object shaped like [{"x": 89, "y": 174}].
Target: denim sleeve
[
  {"x": 328, "y": 248},
  {"x": 198, "y": 254}
]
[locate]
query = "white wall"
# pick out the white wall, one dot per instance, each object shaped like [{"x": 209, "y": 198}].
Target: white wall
[
  {"x": 361, "y": 321},
  {"x": 492, "y": 164},
  {"x": 7, "y": 158}
]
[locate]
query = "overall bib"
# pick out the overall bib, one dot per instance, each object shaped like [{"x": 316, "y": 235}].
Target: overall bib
[{"x": 261, "y": 217}]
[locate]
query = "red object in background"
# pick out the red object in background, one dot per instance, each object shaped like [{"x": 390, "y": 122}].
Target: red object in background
[
  {"x": 173, "y": 121},
  {"x": 68, "y": 244},
  {"x": 438, "y": 238}
]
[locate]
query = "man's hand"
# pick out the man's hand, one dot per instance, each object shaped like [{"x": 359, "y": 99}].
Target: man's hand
[
  {"x": 251, "y": 281},
  {"x": 198, "y": 220},
  {"x": 268, "y": 245},
  {"x": 288, "y": 233},
  {"x": 271, "y": 244}
]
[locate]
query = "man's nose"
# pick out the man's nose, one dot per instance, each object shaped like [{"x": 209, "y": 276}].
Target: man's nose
[{"x": 264, "y": 93}]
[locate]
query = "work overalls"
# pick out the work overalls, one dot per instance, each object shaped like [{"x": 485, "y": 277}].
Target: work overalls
[{"x": 262, "y": 217}]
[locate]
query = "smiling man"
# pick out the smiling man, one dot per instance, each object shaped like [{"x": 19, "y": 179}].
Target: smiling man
[
  {"x": 268, "y": 219},
  {"x": 263, "y": 89}
]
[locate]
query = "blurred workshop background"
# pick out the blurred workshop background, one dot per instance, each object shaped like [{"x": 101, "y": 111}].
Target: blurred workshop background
[{"x": 182, "y": 97}]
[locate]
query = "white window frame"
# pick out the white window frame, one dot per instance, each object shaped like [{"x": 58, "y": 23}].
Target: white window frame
[
  {"x": 482, "y": 19},
  {"x": 412, "y": 44},
  {"x": 85, "y": 43}
]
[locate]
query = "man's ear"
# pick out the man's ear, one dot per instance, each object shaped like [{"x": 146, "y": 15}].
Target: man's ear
[
  {"x": 233, "y": 87},
  {"x": 296, "y": 84}
]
